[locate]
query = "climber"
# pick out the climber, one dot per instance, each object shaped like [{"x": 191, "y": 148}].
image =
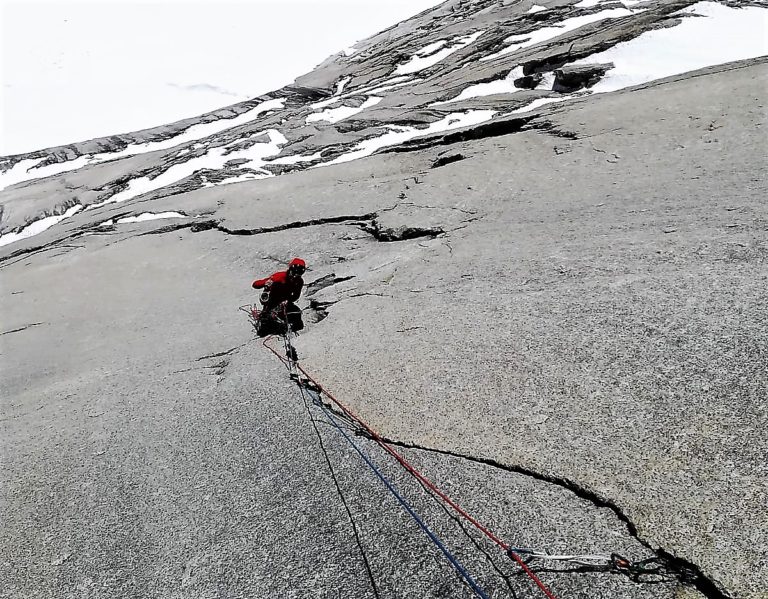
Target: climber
[{"x": 280, "y": 291}]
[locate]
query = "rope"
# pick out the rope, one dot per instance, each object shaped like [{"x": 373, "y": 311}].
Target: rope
[
  {"x": 614, "y": 562},
  {"x": 410, "y": 468},
  {"x": 367, "y": 564},
  {"x": 454, "y": 562}
]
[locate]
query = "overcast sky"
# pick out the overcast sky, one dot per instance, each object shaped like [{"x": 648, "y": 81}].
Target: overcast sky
[{"x": 76, "y": 70}]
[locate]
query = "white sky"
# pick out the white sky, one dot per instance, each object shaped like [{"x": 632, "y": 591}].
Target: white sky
[{"x": 72, "y": 71}]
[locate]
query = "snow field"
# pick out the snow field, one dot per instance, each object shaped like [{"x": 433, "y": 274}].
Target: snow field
[
  {"x": 718, "y": 34},
  {"x": 25, "y": 170}
]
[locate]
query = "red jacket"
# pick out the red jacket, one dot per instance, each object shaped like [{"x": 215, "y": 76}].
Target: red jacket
[{"x": 281, "y": 287}]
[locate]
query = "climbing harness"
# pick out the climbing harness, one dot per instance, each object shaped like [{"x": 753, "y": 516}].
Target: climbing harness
[{"x": 522, "y": 556}]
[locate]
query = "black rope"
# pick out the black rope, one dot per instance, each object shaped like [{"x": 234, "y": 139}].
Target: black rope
[{"x": 341, "y": 495}]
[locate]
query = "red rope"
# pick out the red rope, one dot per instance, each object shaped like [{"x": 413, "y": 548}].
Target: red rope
[{"x": 410, "y": 468}]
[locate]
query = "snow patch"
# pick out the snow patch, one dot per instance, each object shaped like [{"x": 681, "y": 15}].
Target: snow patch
[
  {"x": 499, "y": 86},
  {"x": 38, "y": 226},
  {"x": 195, "y": 132},
  {"x": 718, "y": 34},
  {"x": 541, "y": 102},
  {"x": 334, "y": 115},
  {"x": 26, "y": 170},
  {"x": 397, "y": 135},
  {"x": 537, "y": 8},
  {"x": 144, "y": 216},
  {"x": 18, "y": 172},
  {"x": 419, "y": 62},
  {"x": 431, "y": 48},
  {"x": 324, "y": 103},
  {"x": 526, "y": 40},
  {"x": 296, "y": 159},
  {"x": 214, "y": 159},
  {"x": 340, "y": 85},
  {"x": 238, "y": 179}
]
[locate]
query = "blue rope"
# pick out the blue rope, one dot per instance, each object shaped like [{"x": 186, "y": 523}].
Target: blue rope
[{"x": 461, "y": 570}]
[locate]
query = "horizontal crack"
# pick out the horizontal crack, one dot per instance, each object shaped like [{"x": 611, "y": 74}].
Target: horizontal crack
[
  {"x": 324, "y": 282},
  {"x": 506, "y": 126},
  {"x": 221, "y": 353},
  {"x": 24, "y": 328},
  {"x": 207, "y": 225},
  {"x": 403, "y": 233},
  {"x": 198, "y": 226},
  {"x": 549, "y": 128},
  {"x": 685, "y": 571},
  {"x": 299, "y": 224}
]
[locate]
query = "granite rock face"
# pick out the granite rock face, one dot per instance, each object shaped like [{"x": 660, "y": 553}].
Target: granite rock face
[{"x": 545, "y": 287}]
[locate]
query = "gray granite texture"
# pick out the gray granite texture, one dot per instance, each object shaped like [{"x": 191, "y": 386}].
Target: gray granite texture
[{"x": 559, "y": 316}]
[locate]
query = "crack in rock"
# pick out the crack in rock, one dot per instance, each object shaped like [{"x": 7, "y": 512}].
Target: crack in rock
[
  {"x": 221, "y": 353},
  {"x": 496, "y": 128},
  {"x": 550, "y": 128},
  {"x": 388, "y": 234},
  {"x": 320, "y": 308},
  {"x": 207, "y": 225},
  {"x": 366, "y": 222},
  {"x": 219, "y": 368},
  {"x": 24, "y": 328},
  {"x": 685, "y": 571},
  {"x": 570, "y": 78},
  {"x": 324, "y": 282},
  {"x": 443, "y": 160}
]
